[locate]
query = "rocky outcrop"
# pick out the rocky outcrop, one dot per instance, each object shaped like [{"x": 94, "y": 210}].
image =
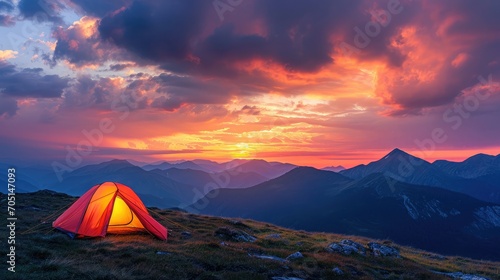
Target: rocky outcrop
[
  {"x": 383, "y": 250},
  {"x": 461, "y": 276},
  {"x": 347, "y": 247}
]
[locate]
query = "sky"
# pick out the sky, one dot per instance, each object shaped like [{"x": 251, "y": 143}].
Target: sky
[{"x": 315, "y": 83}]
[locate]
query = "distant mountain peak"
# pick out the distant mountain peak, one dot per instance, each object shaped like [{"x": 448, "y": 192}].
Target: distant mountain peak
[
  {"x": 115, "y": 162},
  {"x": 334, "y": 168},
  {"x": 118, "y": 161},
  {"x": 396, "y": 152}
]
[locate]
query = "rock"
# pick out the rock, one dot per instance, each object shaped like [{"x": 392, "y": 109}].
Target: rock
[
  {"x": 163, "y": 253},
  {"x": 267, "y": 257},
  {"x": 237, "y": 235},
  {"x": 337, "y": 271},
  {"x": 274, "y": 236},
  {"x": 186, "y": 235},
  {"x": 461, "y": 276},
  {"x": 347, "y": 247},
  {"x": 286, "y": 278},
  {"x": 294, "y": 256},
  {"x": 223, "y": 243},
  {"x": 383, "y": 250}
]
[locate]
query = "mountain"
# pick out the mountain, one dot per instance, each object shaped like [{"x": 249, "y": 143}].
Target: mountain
[
  {"x": 180, "y": 165},
  {"x": 32, "y": 178},
  {"x": 404, "y": 167},
  {"x": 334, "y": 168},
  {"x": 375, "y": 206},
  {"x": 154, "y": 189},
  {"x": 209, "y": 165},
  {"x": 267, "y": 169},
  {"x": 21, "y": 186},
  {"x": 401, "y": 166},
  {"x": 210, "y": 180},
  {"x": 473, "y": 167}
]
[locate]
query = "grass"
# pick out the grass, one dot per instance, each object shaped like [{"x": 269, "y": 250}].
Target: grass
[{"x": 49, "y": 254}]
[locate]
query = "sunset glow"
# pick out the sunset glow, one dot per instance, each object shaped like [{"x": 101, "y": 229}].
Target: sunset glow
[{"x": 261, "y": 87}]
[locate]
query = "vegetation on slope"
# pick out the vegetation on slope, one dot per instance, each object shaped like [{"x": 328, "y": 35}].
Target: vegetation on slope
[{"x": 43, "y": 253}]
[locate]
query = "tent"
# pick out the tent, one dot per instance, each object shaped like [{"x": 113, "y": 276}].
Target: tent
[{"x": 108, "y": 208}]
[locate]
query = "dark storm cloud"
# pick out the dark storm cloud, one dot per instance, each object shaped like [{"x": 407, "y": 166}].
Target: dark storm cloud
[
  {"x": 29, "y": 82},
  {"x": 168, "y": 32},
  {"x": 40, "y": 10},
  {"x": 186, "y": 37},
  {"x": 156, "y": 30},
  {"x": 475, "y": 16}
]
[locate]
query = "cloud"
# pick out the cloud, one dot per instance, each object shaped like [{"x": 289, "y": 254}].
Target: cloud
[
  {"x": 6, "y": 20},
  {"x": 8, "y": 107},
  {"x": 183, "y": 35},
  {"x": 120, "y": 66},
  {"x": 103, "y": 94},
  {"x": 168, "y": 27},
  {"x": 6, "y": 6},
  {"x": 250, "y": 110},
  {"x": 29, "y": 82},
  {"x": 439, "y": 66},
  {"x": 423, "y": 57},
  {"x": 80, "y": 44},
  {"x": 40, "y": 10},
  {"x": 7, "y": 54},
  {"x": 101, "y": 8}
]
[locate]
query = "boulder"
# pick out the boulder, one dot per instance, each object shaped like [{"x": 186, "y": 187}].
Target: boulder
[
  {"x": 237, "y": 235},
  {"x": 383, "y": 250},
  {"x": 347, "y": 247},
  {"x": 294, "y": 256},
  {"x": 337, "y": 271},
  {"x": 267, "y": 257}
]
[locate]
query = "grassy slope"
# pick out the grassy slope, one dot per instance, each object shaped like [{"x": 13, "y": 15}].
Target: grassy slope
[{"x": 48, "y": 254}]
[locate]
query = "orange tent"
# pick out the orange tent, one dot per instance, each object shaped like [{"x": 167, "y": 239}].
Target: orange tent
[{"x": 108, "y": 208}]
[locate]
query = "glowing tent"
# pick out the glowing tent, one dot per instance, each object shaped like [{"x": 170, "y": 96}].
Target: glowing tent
[{"x": 108, "y": 208}]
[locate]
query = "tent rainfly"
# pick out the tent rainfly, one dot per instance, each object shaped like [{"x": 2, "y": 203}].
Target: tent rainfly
[{"x": 108, "y": 208}]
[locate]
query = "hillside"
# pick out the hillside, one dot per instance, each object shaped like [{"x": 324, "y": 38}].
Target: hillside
[
  {"x": 376, "y": 206},
  {"x": 203, "y": 254}
]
